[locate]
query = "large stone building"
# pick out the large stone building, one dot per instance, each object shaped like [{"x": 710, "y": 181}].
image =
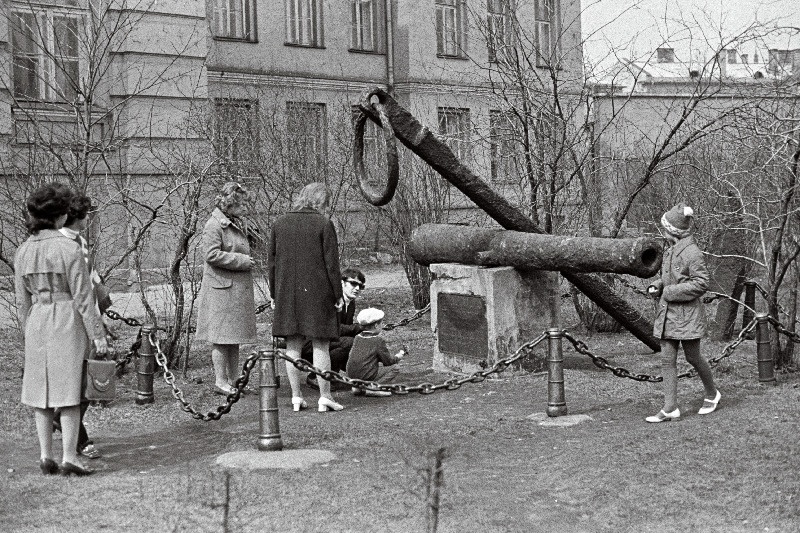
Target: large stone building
[{"x": 128, "y": 95}]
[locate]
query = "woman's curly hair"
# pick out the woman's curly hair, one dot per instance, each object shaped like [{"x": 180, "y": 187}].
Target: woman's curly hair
[
  {"x": 232, "y": 193},
  {"x": 46, "y": 204}
]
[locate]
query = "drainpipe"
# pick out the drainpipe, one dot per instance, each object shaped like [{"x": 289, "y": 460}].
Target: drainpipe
[{"x": 389, "y": 20}]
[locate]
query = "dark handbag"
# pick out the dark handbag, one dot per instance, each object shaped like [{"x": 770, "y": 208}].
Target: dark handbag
[{"x": 99, "y": 379}]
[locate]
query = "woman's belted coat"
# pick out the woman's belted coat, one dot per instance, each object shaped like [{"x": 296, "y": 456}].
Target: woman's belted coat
[
  {"x": 226, "y": 303},
  {"x": 58, "y": 317},
  {"x": 684, "y": 279}
]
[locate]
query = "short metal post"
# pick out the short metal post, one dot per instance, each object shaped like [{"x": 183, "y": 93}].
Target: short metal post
[
  {"x": 749, "y": 303},
  {"x": 145, "y": 369},
  {"x": 556, "y": 404},
  {"x": 269, "y": 438},
  {"x": 766, "y": 366}
]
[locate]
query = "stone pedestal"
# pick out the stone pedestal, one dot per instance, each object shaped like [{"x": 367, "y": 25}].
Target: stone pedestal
[{"x": 481, "y": 315}]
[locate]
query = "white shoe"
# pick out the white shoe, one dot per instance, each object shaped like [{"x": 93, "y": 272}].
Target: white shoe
[
  {"x": 709, "y": 406},
  {"x": 664, "y": 417},
  {"x": 298, "y": 403},
  {"x": 326, "y": 404}
]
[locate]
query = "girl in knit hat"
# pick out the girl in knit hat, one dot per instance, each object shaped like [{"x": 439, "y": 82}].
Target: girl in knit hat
[{"x": 681, "y": 318}]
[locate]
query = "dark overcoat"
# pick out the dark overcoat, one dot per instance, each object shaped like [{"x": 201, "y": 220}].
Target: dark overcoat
[
  {"x": 226, "y": 303},
  {"x": 684, "y": 279},
  {"x": 304, "y": 277},
  {"x": 58, "y": 316}
]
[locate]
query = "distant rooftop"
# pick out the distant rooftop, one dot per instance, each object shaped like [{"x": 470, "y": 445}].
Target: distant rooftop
[{"x": 663, "y": 69}]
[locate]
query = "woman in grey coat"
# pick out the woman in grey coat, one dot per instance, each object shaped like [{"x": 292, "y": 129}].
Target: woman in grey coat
[
  {"x": 681, "y": 318},
  {"x": 306, "y": 288},
  {"x": 59, "y": 321},
  {"x": 226, "y": 303}
]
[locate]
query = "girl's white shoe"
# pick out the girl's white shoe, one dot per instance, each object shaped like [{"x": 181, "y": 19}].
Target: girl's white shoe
[
  {"x": 664, "y": 417},
  {"x": 326, "y": 404},
  {"x": 709, "y": 406},
  {"x": 298, "y": 403}
]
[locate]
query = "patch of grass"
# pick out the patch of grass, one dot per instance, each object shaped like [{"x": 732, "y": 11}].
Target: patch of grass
[{"x": 732, "y": 471}]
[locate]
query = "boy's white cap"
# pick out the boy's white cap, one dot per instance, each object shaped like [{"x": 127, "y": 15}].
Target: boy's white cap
[{"x": 369, "y": 316}]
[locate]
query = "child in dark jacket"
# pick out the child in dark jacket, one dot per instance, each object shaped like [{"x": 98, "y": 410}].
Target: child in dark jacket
[{"x": 370, "y": 359}]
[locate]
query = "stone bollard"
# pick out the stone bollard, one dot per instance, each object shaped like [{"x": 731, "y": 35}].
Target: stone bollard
[
  {"x": 766, "y": 366},
  {"x": 556, "y": 404},
  {"x": 145, "y": 369},
  {"x": 269, "y": 438}
]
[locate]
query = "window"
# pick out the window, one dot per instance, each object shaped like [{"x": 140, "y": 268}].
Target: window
[
  {"x": 500, "y": 33},
  {"x": 501, "y": 146},
  {"x": 546, "y": 31},
  {"x": 307, "y": 130},
  {"x": 46, "y": 54},
  {"x": 304, "y": 22},
  {"x": 236, "y": 133},
  {"x": 454, "y": 127},
  {"x": 235, "y": 19},
  {"x": 365, "y": 25},
  {"x": 451, "y": 28}
]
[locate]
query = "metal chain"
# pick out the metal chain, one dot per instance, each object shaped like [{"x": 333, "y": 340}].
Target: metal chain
[
  {"x": 793, "y": 335},
  {"x": 422, "y": 388},
  {"x": 582, "y": 348},
  {"x": 625, "y": 283},
  {"x": 727, "y": 351},
  {"x": 406, "y": 321},
  {"x": 113, "y": 315},
  {"x": 169, "y": 377},
  {"x": 132, "y": 352}
]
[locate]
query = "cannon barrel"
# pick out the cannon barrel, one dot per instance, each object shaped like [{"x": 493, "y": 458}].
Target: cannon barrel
[
  {"x": 450, "y": 243},
  {"x": 419, "y": 139}
]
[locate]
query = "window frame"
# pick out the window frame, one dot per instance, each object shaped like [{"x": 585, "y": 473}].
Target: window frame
[
  {"x": 49, "y": 88},
  {"x": 454, "y": 47},
  {"x": 550, "y": 21},
  {"x": 320, "y": 136},
  {"x": 304, "y": 28},
  {"x": 502, "y": 17},
  {"x": 249, "y": 26},
  {"x": 230, "y": 153},
  {"x": 455, "y": 128},
  {"x": 502, "y": 147},
  {"x": 376, "y": 27}
]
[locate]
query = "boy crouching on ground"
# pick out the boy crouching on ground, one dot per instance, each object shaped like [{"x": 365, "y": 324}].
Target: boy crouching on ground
[{"x": 369, "y": 357}]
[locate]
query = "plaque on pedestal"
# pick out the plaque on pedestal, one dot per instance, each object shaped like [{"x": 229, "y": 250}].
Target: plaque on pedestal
[{"x": 463, "y": 328}]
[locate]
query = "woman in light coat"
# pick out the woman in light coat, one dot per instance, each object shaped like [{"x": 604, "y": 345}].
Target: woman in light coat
[
  {"x": 59, "y": 321},
  {"x": 226, "y": 316},
  {"x": 681, "y": 318},
  {"x": 306, "y": 288}
]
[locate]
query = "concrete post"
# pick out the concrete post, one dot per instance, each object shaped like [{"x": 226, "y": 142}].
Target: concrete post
[
  {"x": 145, "y": 369},
  {"x": 269, "y": 438},
  {"x": 766, "y": 367},
  {"x": 556, "y": 404}
]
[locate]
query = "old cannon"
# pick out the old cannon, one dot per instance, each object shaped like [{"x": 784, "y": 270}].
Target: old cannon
[
  {"x": 397, "y": 123},
  {"x": 451, "y": 243}
]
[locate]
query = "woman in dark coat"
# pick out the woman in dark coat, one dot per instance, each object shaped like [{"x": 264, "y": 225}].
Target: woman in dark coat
[
  {"x": 681, "y": 318},
  {"x": 59, "y": 320},
  {"x": 306, "y": 288},
  {"x": 226, "y": 302}
]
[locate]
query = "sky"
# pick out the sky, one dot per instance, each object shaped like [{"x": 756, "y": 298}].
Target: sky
[{"x": 635, "y": 28}]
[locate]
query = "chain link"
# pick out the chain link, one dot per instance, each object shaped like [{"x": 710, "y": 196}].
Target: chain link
[
  {"x": 406, "y": 321},
  {"x": 422, "y": 388},
  {"x": 793, "y": 335},
  {"x": 582, "y": 348},
  {"x": 169, "y": 377},
  {"x": 625, "y": 283}
]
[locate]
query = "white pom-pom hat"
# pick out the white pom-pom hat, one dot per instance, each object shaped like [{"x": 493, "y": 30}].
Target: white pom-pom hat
[
  {"x": 678, "y": 220},
  {"x": 369, "y": 316}
]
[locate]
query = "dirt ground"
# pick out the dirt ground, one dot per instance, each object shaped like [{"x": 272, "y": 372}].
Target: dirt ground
[{"x": 503, "y": 471}]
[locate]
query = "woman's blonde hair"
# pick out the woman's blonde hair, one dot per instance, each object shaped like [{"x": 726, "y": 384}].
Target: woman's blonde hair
[
  {"x": 313, "y": 195},
  {"x": 232, "y": 193}
]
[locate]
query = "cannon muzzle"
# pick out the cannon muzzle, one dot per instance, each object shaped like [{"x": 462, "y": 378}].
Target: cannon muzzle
[{"x": 450, "y": 243}]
